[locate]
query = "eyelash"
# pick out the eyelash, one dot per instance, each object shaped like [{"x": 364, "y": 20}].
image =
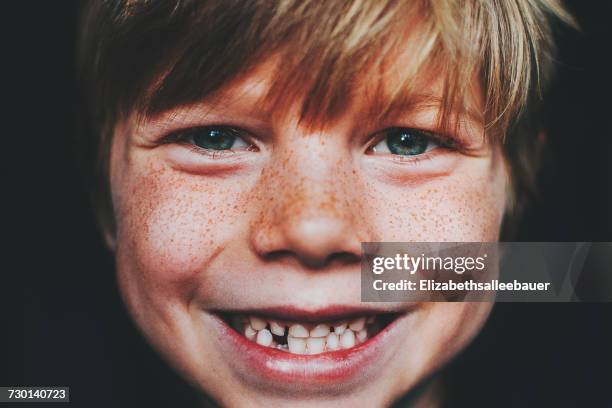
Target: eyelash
[
  {"x": 446, "y": 142},
  {"x": 181, "y": 137},
  {"x": 411, "y": 160}
]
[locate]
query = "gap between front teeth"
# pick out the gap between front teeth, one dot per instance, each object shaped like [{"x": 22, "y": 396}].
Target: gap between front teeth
[{"x": 307, "y": 339}]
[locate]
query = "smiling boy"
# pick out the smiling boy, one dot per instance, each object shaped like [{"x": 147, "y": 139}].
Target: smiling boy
[{"x": 248, "y": 148}]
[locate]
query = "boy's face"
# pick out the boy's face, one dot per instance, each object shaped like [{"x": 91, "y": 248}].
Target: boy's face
[{"x": 215, "y": 226}]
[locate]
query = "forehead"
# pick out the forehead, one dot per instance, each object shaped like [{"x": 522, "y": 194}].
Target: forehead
[
  {"x": 376, "y": 75},
  {"x": 376, "y": 93}
]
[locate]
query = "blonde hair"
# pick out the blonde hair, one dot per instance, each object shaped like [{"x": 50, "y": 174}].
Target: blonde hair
[{"x": 148, "y": 56}]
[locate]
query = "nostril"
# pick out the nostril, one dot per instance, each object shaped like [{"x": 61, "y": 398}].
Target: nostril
[
  {"x": 277, "y": 256},
  {"x": 343, "y": 258},
  {"x": 315, "y": 242},
  {"x": 335, "y": 259}
]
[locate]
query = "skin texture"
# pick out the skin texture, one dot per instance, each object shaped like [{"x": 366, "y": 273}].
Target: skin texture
[{"x": 282, "y": 223}]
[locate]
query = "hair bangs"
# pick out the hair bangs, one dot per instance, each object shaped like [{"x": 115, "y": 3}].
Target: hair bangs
[{"x": 325, "y": 52}]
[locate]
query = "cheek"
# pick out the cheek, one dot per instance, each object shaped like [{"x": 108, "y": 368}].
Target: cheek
[
  {"x": 464, "y": 206},
  {"x": 171, "y": 224}
]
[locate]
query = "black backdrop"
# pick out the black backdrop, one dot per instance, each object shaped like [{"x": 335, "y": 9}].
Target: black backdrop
[{"x": 62, "y": 321}]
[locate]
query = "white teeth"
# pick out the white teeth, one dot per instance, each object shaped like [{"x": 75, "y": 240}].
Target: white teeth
[
  {"x": 340, "y": 328},
  {"x": 277, "y": 328},
  {"x": 296, "y": 345},
  {"x": 315, "y": 345},
  {"x": 320, "y": 330},
  {"x": 357, "y": 324},
  {"x": 250, "y": 333},
  {"x": 297, "y": 330},
  {"x": 257, "y": 323},
  {"x": 347, "y": 340},
  {"x": 306, "y": 339},
  {"x": 332, "y": 341},
  {"x": 264, "y": 338},
  {"x": 362, "y": 335}
]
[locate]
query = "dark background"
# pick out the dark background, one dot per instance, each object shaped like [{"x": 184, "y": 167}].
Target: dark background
[{"x": 63, "y": 323}]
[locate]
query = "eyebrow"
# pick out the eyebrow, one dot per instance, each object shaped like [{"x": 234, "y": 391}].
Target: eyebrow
[
  {"x": 252, "y": 100},
  {"x": 421, "y": 101}
]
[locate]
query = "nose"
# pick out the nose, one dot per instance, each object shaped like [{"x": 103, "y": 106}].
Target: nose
[
  {"x": 309, "y": 210},
  {"x": 315, "y": 240}
]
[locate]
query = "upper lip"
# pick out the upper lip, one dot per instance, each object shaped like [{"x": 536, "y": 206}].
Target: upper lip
[{"x": 327, "y": 313}]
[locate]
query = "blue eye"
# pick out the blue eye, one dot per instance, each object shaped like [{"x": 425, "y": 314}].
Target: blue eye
[
  {"x": 215, "y": 138},
  {"x": 406, "y": 142}
]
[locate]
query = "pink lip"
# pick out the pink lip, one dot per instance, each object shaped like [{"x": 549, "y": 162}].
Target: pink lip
[{"x": 279, "y": 367}]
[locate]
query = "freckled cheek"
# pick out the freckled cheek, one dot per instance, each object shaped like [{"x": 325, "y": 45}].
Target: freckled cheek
[
  {"x": 451, "y": 209},
  {"x": 173, "y": 224}
]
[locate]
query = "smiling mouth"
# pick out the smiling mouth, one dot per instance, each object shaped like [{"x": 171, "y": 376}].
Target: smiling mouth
[
  {"x": 308, "y": 337},
  {"x": 295, "y": 350}
]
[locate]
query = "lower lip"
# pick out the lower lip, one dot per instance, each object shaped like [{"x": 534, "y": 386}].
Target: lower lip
[{"x": 284, "y": 368}]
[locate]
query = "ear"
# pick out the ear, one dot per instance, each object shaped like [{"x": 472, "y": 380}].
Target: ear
[
  {"x": 105, "y": 217},
  {"x": 106, "y": 225},
  {"x": 109, "y": 239}
]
